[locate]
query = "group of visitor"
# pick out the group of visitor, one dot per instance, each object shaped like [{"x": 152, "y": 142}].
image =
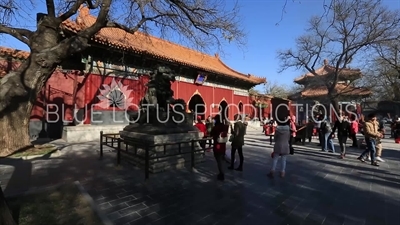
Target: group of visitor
[
  {"x": 218, "y": 128},
  {"x": 268, "y": 122},
  {"x": 326, "y": 132},
  {"x": 344, "y": 128}
]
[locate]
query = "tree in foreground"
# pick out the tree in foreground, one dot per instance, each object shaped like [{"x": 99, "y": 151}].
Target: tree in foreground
[
  {"x": 346, "y": 30},
  {"x": 205, "y": 23}
]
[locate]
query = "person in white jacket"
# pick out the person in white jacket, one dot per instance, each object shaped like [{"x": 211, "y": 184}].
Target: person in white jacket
[{"x": 281, "y": 147}]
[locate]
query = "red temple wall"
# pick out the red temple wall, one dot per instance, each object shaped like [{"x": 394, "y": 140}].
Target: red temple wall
[
  {"x": 57, "y": 94},
  {"x": 95, "y": 82},
  {"x": 57, "y": 97},
  {"x": 210, "y": 95},
  {"x": 59, "y": 89},
  {"x": 245, "y": 100}
]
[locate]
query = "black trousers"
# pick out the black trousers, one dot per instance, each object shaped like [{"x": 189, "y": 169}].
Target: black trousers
[
  {"x": 219, "y": 158},
  {"x": 342, "y": 143},
  {"x": 291, "y": 140},
  {"x": 354, "y": 139},
  {"x": 233, "y": 153},
  {"x": 320, "y": 136}
]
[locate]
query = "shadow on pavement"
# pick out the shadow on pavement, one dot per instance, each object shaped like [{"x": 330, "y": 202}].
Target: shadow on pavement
[{"x": 317, "y": 189}]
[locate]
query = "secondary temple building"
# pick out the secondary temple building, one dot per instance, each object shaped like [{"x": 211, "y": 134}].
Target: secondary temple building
[
  {"x": 70, "y": 96},
  {"x": 315, "y": 91}
]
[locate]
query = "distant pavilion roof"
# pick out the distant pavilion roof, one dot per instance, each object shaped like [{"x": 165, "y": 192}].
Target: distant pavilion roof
[
  {"x": 344, "y": 74},
  {"x": 342, "y": 89}
]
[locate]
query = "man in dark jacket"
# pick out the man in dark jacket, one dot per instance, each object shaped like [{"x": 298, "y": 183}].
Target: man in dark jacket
[
  {"x": 342, "y": 125},
  {"x": 238, "y": 132}
]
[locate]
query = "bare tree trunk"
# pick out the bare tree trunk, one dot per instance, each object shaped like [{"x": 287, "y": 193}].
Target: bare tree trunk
[
  {"x": 24, "y": 86},
  {"x": 336, "y": 107},
  {"x": 19, "y": 89},
  {"x": 6, "y": 217},
  {"x": 16, "y": 129}
]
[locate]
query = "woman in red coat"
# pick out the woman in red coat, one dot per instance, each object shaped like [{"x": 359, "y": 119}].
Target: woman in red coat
[
  {"x": 203, "y": 129},
  {"x": 219, "y": 147}
]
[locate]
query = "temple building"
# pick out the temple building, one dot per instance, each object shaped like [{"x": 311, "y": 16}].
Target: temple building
[
  {"x": 71, "y": 93},
  {"x": 315, "y": 91}
]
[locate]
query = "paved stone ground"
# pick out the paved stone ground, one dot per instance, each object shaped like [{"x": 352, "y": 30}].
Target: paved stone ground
[{"x": 319, "y": 187}]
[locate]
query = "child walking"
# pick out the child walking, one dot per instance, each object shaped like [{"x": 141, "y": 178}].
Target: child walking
[{"x": 281, "y": 147}]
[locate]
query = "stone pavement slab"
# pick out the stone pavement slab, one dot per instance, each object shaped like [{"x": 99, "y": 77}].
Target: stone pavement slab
[{"x": 319, "y": 188}]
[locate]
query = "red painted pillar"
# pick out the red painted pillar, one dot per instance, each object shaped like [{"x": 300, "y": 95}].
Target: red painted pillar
[{"x": 87, "y": 107}]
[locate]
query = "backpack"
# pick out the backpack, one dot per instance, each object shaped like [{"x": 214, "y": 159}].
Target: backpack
[{"x": 326, "y": 127}]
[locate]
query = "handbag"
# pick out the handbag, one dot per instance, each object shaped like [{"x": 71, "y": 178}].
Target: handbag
[
  {"x": 221, "y": 139},
  {"x": 231, "y": 138}
]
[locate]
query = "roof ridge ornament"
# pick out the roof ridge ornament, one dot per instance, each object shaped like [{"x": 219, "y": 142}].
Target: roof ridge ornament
[
  {"x": 326, "y": 62},
  {"x": 83, "y": 10},
  {"x": 216, "y": 55}
]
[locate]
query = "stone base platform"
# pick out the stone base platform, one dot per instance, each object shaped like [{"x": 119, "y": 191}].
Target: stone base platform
[
  {"x": 84, "y": 133},
  {"x": 169, "y": 162}
]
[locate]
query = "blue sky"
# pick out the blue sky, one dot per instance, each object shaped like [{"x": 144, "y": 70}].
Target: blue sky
[{"x": 265, "y": 37}]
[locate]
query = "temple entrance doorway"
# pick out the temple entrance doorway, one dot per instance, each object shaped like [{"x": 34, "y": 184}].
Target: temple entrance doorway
[
  {"x": 197, "y": 106},
  {"x": 224, "y": 110},
  {"x": 240, "y": 106}
]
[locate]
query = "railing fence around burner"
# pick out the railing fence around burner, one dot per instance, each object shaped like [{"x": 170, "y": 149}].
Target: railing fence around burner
[{"x": 113, "y": 140}]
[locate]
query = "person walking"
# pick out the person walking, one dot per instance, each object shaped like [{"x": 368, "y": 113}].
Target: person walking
[
  {"x": 354, "y": 131},
  {"x": 343, "y": 128},
  {"x": 371, "y": 135},
  {"x": 209, "y": 126},
  {"x": 396, "y": 129},
  {"x": 318, "y": 122},
  {"x": 238, "y": 132},
  {"x": 293, "y": 130},
  {"x": 202, "y": 128},
  {"x": 379, "y": 150},
  {"x": 326, "y": 134},
  {"x": 281, "y": 147},
  {"x": 219, "y": 133}
]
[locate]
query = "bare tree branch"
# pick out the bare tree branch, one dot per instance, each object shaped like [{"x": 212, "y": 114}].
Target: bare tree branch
[
  {"x": 139, "y": 24},
  {"x": 72, "y": 10},
  {"x": 21, "y": 34},
  {"x": 76, "y": 4},
  {"x": 51, "y": 9}
]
